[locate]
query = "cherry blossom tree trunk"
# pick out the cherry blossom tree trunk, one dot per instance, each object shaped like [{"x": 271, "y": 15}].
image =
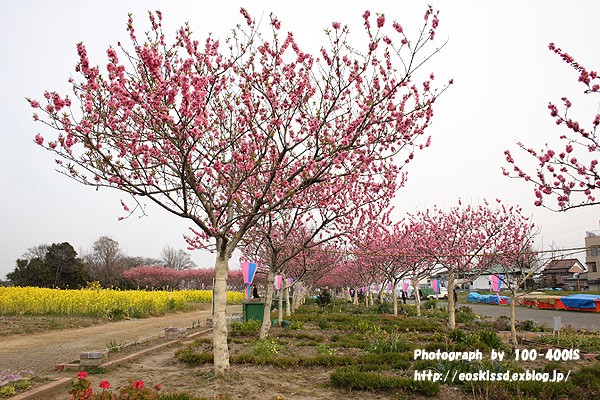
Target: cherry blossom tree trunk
[
  {"x": 451, "y": 305},
  {"x": 266, "y": 325},
  {"x": 297, "y": 298},
  {"x": 280, "y": 307},
  {"x": 220, "y": 348},
  {"x": 288, "y": 307},
  {"x": 415, "y": 284},
  {"x": 513, "y": 326},
  {"x": 395, "y": 298}
]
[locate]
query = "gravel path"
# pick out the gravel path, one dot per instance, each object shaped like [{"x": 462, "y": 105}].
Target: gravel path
[{"x": 41, "y": 352}]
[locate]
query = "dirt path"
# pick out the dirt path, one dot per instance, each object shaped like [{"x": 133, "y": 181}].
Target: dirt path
[{"x": 41, "y": 352}]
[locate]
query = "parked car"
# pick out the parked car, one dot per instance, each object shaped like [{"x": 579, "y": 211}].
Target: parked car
[
  {"x": 426, "y": 293},
  {"x": 443, "y": 294}
]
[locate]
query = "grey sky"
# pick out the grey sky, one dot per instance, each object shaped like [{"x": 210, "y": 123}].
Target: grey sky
[{"x": 497, "y": 55}]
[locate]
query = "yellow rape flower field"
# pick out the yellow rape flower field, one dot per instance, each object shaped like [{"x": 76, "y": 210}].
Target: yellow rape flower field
[{"x": 102, "y": 302}]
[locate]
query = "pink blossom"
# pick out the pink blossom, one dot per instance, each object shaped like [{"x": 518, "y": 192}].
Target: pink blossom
[{"x": 39, "y": 139}]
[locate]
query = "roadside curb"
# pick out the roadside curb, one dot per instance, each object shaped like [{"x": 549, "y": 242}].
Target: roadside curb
[{"x": 42, "y": 392}]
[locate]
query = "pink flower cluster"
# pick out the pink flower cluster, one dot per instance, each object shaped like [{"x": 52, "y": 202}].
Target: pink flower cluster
[
  {"x": 157, "y": 277},
  {"x": 81, "y": 389},
  {"x": 571, "y": 180}
]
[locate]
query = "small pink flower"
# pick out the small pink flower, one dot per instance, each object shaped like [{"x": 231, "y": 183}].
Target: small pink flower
[
  {"x": 336, "y": 25},
  {"x": 39, "y": 139},
  {"x": 81, "y": 375},
  {"x": 104, "y": 384},
  {"x": 158, "y": 387},
  {"x": 138, "y": 384}
]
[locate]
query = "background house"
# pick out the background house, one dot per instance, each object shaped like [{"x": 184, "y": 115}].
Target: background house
[
  {"x": 565, "y": 274},
  {"x": 592, "y": 259},
  {"x": 483, "y": 281}
]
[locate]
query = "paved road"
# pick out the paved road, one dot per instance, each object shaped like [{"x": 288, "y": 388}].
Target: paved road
[{"x": 576, "y": 319}]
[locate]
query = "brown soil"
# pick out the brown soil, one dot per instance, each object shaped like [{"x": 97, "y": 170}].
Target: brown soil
[
  {"x": 242, "y": 382},
  {"x": 41, "y": 352}
]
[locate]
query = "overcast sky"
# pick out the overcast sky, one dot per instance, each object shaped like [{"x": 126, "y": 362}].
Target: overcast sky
[{"x": 497, "y": 54}]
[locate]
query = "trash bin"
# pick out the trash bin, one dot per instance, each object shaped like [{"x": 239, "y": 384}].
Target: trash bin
[{"x": 253, "y": 310}]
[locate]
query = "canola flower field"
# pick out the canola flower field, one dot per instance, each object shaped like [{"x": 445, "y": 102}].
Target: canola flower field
[{"x": 102, "y": 302}]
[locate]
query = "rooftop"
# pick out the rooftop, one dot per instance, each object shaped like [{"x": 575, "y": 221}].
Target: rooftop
[{"x": 567, "y": 264}]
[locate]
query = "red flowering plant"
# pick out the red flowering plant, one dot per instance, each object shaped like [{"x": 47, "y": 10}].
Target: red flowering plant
[{"x": 82, "y": 389}]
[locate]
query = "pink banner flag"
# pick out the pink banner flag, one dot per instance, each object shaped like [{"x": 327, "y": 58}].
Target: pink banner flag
[
  {"x": 435, "y": 284},
  {"x": 405, "y": 287},
  {"x": 495, "y": 283},
  {"x": 248, "y": 272},
  {"x": 389, "y": 286},
  {"x": 289, "y": 281},
  {"x": 278, "y": 280}
]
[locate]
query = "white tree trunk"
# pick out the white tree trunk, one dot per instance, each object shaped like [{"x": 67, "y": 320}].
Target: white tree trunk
[
  {"x": 451, "y": 308},
  {"x": 288, "y": 310},
  {"x": 220, "y": 348},
  {"x": 394, "y": 298},
  {"x": 266, "y": 325},
  {"x": 297, "y": 298},
  {"x": 280, "y": 307},
  {"x": 513, "y": 322},
  {"x": 415, "y": 284}
]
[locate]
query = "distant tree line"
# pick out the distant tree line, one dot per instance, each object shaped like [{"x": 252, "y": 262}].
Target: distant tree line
[{"x": 59, "y": 266}]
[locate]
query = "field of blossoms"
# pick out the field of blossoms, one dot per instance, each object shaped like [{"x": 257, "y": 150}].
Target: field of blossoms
[{"x": 101, "y": 302}]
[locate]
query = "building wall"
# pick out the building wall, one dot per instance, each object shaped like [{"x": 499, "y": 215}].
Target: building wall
[
  {"x": 592, "y": 259},
  {"x": 483, "y": 283}
]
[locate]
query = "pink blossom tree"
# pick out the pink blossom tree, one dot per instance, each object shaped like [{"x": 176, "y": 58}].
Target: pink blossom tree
[
  {"x": 284, "y": 242},
  {"x": 409, "y": 260},
  {"x": 343, "y": 274},
  {"x": 569, "y": 174},
  {"x": 159, "y": 277},
  {"x": 463, "y": 242},
  {"x": 286, "y": 235},
  {"x": 375, "y": 252},
  {"x": 224, "y": 132},
  {"x": 517, "y": 261}
]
